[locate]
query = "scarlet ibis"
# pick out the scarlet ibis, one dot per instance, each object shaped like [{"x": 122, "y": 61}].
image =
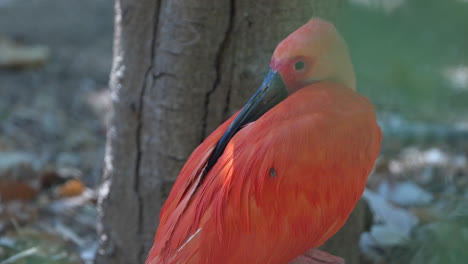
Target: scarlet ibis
[{"x": 281, "y": 176}]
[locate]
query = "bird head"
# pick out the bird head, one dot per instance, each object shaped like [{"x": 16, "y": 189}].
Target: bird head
[{"x": 314, "y": 52}]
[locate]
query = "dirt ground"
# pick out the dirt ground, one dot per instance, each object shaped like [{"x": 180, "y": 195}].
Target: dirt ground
[
  {"x": 52, "y": 127},
  {"x": 54, "y": 112}
]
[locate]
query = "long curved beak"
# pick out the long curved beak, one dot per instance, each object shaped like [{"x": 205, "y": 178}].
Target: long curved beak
[{"x": 271, "y": 92}]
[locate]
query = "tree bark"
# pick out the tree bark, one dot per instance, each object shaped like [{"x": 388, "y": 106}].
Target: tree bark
[
  {"x": 345, "y": 243},
  {"x": 180, "y": 68}
]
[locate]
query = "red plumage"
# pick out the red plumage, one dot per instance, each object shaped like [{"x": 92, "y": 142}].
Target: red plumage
[{"x": 285, "y": 183}]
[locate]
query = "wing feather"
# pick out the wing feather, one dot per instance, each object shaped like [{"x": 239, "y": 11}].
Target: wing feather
[{"x": 290, "y": 212}]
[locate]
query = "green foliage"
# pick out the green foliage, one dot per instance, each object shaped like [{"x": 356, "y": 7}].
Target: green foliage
[
  {"x": 442, "y": 241},
  {"x": 400, "y": 56},
  {"x": 34, "y": 247}
]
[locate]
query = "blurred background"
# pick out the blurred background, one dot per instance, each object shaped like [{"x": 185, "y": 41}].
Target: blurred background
[{"x": 411, "y": 60}]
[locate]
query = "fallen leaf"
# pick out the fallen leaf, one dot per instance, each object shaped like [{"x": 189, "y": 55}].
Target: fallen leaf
[
  {"x": 405, "y": 193},
  {"x": 15, "y": 190},
  {"x": 387, "y": 235},
  {"x": 385, "y": 213},
  {"x": 17, "y": 56},
  {"x": 71, "y": 188}
]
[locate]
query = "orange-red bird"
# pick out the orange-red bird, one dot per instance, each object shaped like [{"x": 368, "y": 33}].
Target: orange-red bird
[{"x": 280, "y": 177}]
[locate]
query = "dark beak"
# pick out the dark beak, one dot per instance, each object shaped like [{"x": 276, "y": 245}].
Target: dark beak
[{"x": 271, "y": 92}]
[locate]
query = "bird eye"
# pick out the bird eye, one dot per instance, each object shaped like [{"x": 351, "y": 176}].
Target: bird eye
[{"x": 299, "y": 66}]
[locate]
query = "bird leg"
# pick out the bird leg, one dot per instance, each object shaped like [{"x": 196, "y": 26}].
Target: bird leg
[{"x": 315, "y": 256}]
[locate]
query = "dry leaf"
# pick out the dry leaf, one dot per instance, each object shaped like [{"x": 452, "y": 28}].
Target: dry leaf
[
  {"x": 15, "y": 190},
  {"x": 71, "y": 188},
  {"x": 13, "y": 55}
]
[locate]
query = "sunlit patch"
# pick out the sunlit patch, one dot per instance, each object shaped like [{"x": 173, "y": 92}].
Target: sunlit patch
[
  {"x": 388, "y": 6},
  {"x": 457, "y": 76},
  {"x": 227, "y": 168}
]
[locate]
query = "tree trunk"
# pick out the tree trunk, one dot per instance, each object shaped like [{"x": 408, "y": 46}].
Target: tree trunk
[
  {"x": 345, "y": 242},
  {"x": 180, "y": 68}
]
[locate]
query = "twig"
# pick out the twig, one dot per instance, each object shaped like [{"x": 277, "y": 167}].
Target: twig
[
  {"x": 69, "y": 234},
  {"x": 23, "y": 254},
  {"x": 15, "y": 225}
]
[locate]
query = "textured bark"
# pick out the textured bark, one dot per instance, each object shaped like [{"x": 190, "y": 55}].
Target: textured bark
[
  {"x": 345, "y": 242},
  {"x": 180, "y": 68}
]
